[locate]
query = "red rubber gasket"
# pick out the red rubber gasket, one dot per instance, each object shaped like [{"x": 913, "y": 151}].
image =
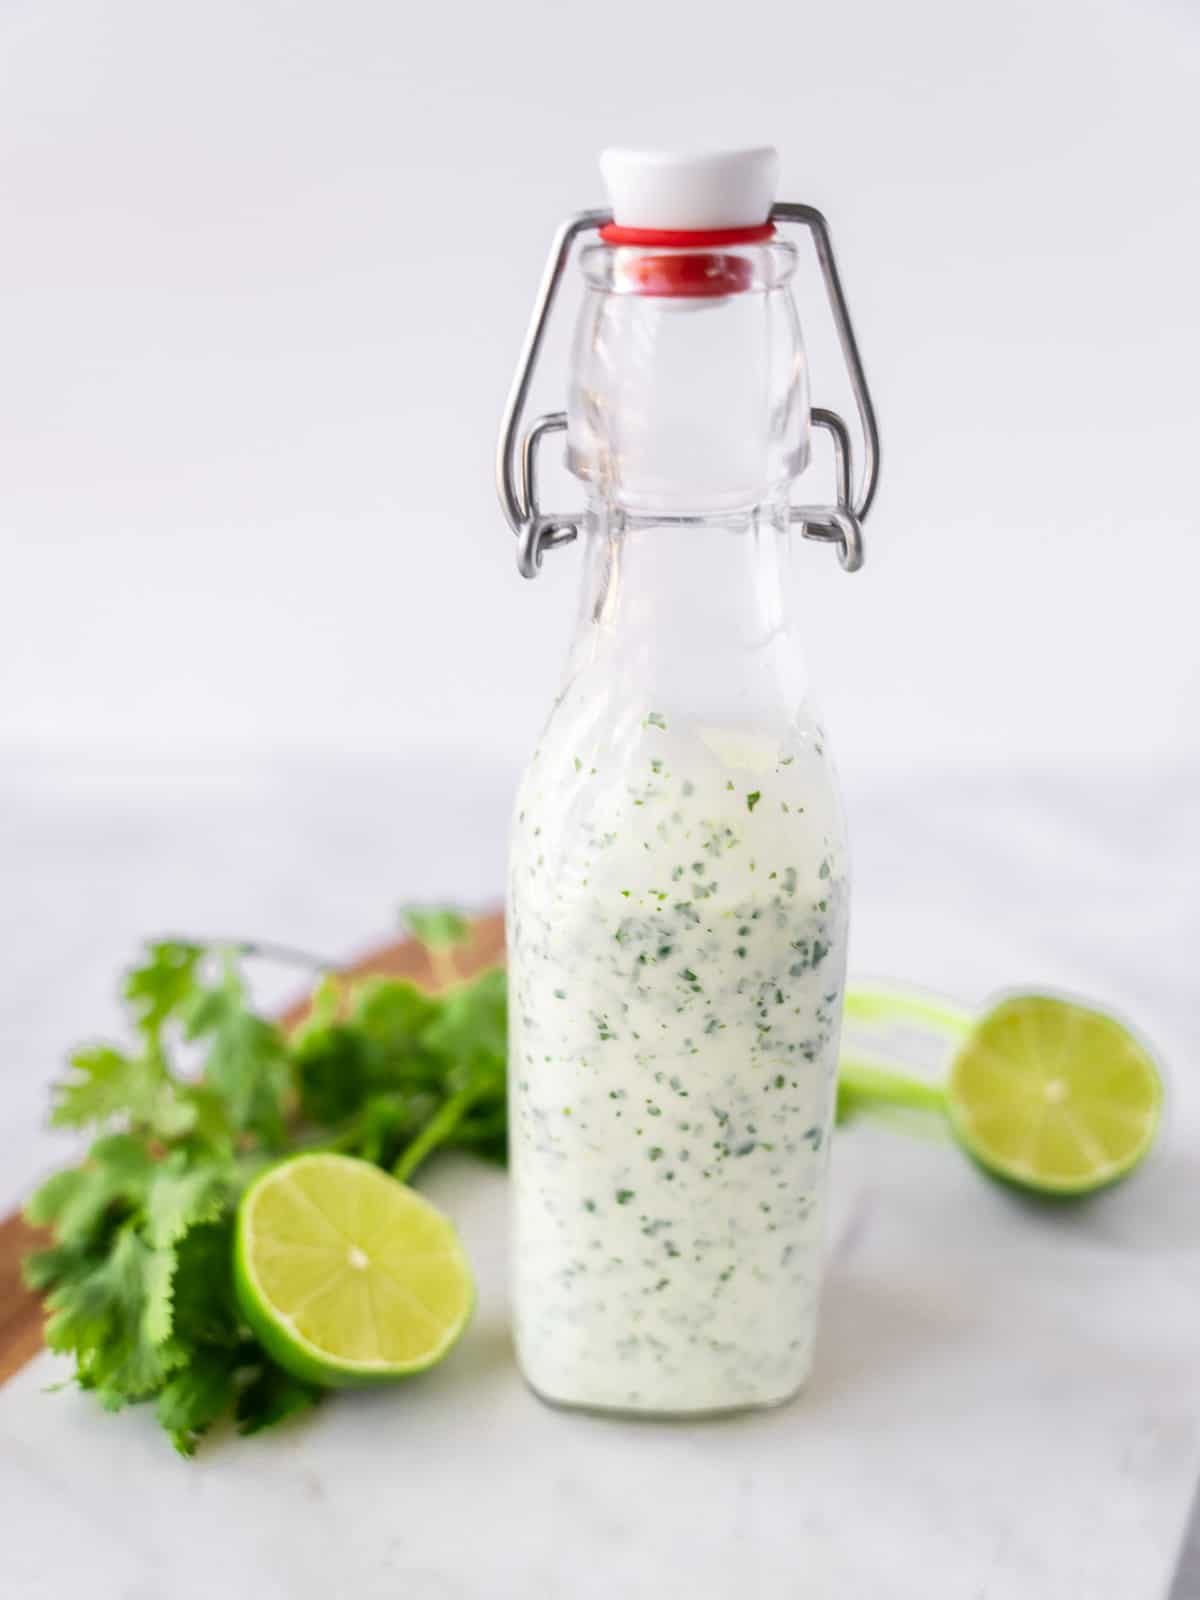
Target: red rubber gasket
[{"x": 685, "y": 238}]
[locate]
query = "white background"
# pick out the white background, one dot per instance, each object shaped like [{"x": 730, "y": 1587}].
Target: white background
[{"x": 266, "y": 269}]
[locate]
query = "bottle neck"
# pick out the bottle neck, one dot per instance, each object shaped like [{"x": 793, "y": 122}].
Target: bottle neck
[
  {"x": 694, "y": 615},
  {"x": 686, "y": 407}
]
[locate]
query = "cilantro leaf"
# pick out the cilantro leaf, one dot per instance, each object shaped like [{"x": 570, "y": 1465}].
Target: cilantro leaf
[
  {"x": 47, "y": 1203},
  {"x": 45, "y": 1269},
  {"x": 246, "y": 1062},
  {"x": 115, "y": 1176},
  {"x": 470, "y": 1033},
  {"x": 330, "y": 1065},
  {"x": 105, "y": 1082},
  {"x": 340, "y": 1065},
  {"x": 109, "y": 1084},
  {"x": 196, "y": 1396},
  {"x": 116, "y": 1320},
  {"x": 211, "y": 1125},
  {"x": 272, "y": 1396},
  {"x": 163, "y": 984},
  {"x": 205, "y": 1307},
  {"x": 393, "y": 1014},
  {"x": 183, "y": 1192},
  {"x": 223, "y": 1364}
]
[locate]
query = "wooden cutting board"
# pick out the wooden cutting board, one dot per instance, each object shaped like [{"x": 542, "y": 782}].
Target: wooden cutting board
[{"x": 21, "y": 1310}]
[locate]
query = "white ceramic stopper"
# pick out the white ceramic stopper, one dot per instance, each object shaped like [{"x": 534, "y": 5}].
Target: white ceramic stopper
[{"x": 663, "y": 189}]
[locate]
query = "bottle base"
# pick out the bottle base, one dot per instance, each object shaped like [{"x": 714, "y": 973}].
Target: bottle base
[{"x": 620, "y": 1412}]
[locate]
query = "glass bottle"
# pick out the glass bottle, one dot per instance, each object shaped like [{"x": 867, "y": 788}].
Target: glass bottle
[{"x": 677, "y": 906}]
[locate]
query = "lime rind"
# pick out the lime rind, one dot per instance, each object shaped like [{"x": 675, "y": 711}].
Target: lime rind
[{"x": 874, "y": 1002}]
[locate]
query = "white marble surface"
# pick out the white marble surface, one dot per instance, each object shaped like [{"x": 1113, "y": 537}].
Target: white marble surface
[{"x": 1007, "y": 1398}]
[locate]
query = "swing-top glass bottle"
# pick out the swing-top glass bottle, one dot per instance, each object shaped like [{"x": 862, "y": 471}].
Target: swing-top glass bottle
[{"x": 678, "y": 893}]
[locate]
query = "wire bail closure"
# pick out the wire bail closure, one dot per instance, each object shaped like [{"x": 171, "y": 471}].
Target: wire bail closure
[{"x": 516, "y": 462}]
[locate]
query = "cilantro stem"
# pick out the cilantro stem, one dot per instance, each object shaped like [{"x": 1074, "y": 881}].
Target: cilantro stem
[
  {"x": 348, "y": 1137},
  {"x": 445, "y": 968},
  {"x": 438, "y": 1129},
  {"x": 263, "y": 950},
  {"x": 482, "y": 1131}
]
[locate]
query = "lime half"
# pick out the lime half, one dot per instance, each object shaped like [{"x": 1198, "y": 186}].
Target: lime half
[
  {"x": 1053, "y": 1096},
  {"x": 347, "y": 1276}
]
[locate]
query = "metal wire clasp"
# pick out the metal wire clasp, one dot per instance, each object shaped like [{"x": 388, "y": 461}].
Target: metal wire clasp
[{"x": 516, "y": 459}]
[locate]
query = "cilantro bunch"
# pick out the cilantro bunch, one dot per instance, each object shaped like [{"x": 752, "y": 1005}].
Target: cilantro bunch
[{"x": 138, "y": 1279}]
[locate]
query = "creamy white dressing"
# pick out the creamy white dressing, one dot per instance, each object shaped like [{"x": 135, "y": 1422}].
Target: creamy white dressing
[{"x": 677, "y": 950}]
